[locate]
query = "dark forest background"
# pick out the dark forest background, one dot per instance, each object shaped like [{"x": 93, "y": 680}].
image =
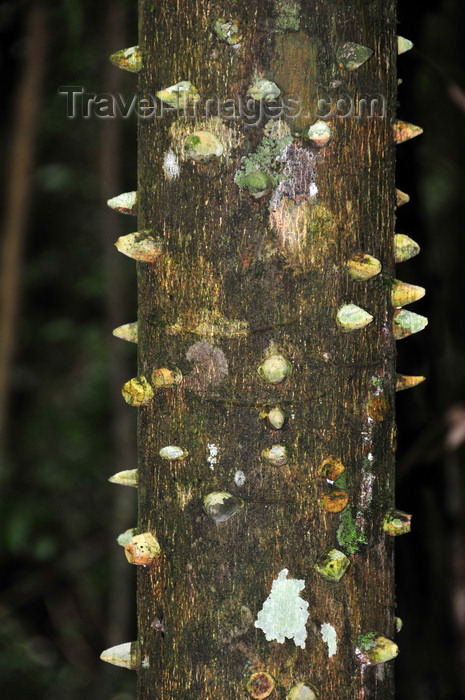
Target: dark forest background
[{"x": 66, "y": 591}]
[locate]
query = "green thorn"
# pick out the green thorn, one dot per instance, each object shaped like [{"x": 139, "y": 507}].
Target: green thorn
[
  {"x": 396, "y": 522},
  {"x": 403, "y": 45},
  {"x": 320, "y": 133},
  {"x": 275, "y": 369},
  {"x": 262, "y": 89},
  {"x": 301, "y": 692},
  {"x": 128, "y": 331},
  {"x": 404, "y": 247},
  {"x": 332, "y": 565},
  {"x": 128, "y": 59},
  {"x": 275, "y": 417},
  {"x": 362, "y": 266},
  {"x": 373, "y": 649},
  {"x": 277, "y": 455},
  {"x": 137, "y": 392},
  {"x": 140, "y": 246},
  {"x": 125, "y": 203},
  {"x": 126, "y": 655},
  {"x": 351, "y": 55},
  {"x": 406, "y": 323},
  {"x": 173, "y": 453},
  {"x": 221, "y": 505},
  {"x": 180, "y": 95},
  {"x": 256, "y": 182},
  {"x": 125, "y": 478},
  {"x": 125, "y": 537},
  {"x": 227, "y": 30},
  {"x": 203, "y": 146},
  {"x": 352, "y": 318}
]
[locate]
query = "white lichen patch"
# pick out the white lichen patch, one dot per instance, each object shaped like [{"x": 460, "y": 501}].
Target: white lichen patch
[
  {"x": 329, "y": 636},
  {"x": 212, "y": 458},
  {"x": 171, "y": 165},
  {"x": 284, "y": 612},
  {"x": 239, "y": 478}
]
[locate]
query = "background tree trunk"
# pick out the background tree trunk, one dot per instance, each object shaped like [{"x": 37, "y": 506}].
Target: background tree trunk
[
  {"x": 25, "y": 124},
  {"x": 242, "y": 279}
]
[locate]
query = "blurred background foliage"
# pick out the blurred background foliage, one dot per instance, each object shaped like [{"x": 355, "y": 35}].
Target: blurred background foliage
[{"x": 66, "y": 591}]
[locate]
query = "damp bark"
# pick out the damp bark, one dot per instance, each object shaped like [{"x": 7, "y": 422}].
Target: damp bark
[{"x": 244, "y": 278}]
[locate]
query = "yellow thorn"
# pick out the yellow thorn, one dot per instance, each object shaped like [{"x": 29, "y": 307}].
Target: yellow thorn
[
  {"x": 403, "y": 293},
  {"x": 125, "y": 478},
  {"x": 140, "y": 246},
  {"x": 404, "y": 131},
  {"x": 403, "y": 381},
  {"x": 128, "y": 332},
  {"x": 404, "y": 247},
  {"x": 128, "y": 59},
  {"x": 401, "y": 198}
]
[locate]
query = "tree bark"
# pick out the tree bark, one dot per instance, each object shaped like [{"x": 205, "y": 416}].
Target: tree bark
[{"x": 247, "y": 282}]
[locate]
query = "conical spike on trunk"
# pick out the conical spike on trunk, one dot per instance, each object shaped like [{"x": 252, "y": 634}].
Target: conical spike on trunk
[
  {"x": 142, "y": 549},
  {"x": 125, "y": 537},
  {"x": 126, "y": 655},
  {"x": 401, "y": 198},
  {"x": 128, "y": 59},
  {"x": 403, "y": 45},
  {"x": 362, "y": 266},
  {"x": 403, "y": 293},
  {"x": 140, "y": 246},
  {"x": 406, "y": 323},
  {"x": 124, "y": 203},
  {"x": 166, "y": 378},
  {"x": 373, "y": 649},
  {"x": 351, "y": 317},
  {"x": 396, "y": 522},
  {"x": 404, "y": 131},
  {"x": 125, "y": 478},
  {"x": 228, "y": 30},
  {"x": 180, "y": 95},
  {"x": 404, "y": 247},
  {"x": 404, "y": 381},
  {"x": 128, "y": 331},
  {"x": 137, "y": 391},
  {"x": 351, "y": 55}
]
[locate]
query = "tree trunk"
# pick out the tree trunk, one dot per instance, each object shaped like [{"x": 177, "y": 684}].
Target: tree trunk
[
  {"x": 18, "y": 187},
  {"x": 261, "y": 580}
]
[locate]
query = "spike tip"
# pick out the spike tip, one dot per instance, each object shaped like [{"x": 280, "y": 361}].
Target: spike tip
[
  {"x": 128, "y": 59},
  {"x": 126, "y": 655},
  {"x": 125, "y": 478}
]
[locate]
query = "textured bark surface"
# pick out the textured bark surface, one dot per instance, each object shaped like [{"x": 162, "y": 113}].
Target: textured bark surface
[{"x": 239, "y": 278}]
